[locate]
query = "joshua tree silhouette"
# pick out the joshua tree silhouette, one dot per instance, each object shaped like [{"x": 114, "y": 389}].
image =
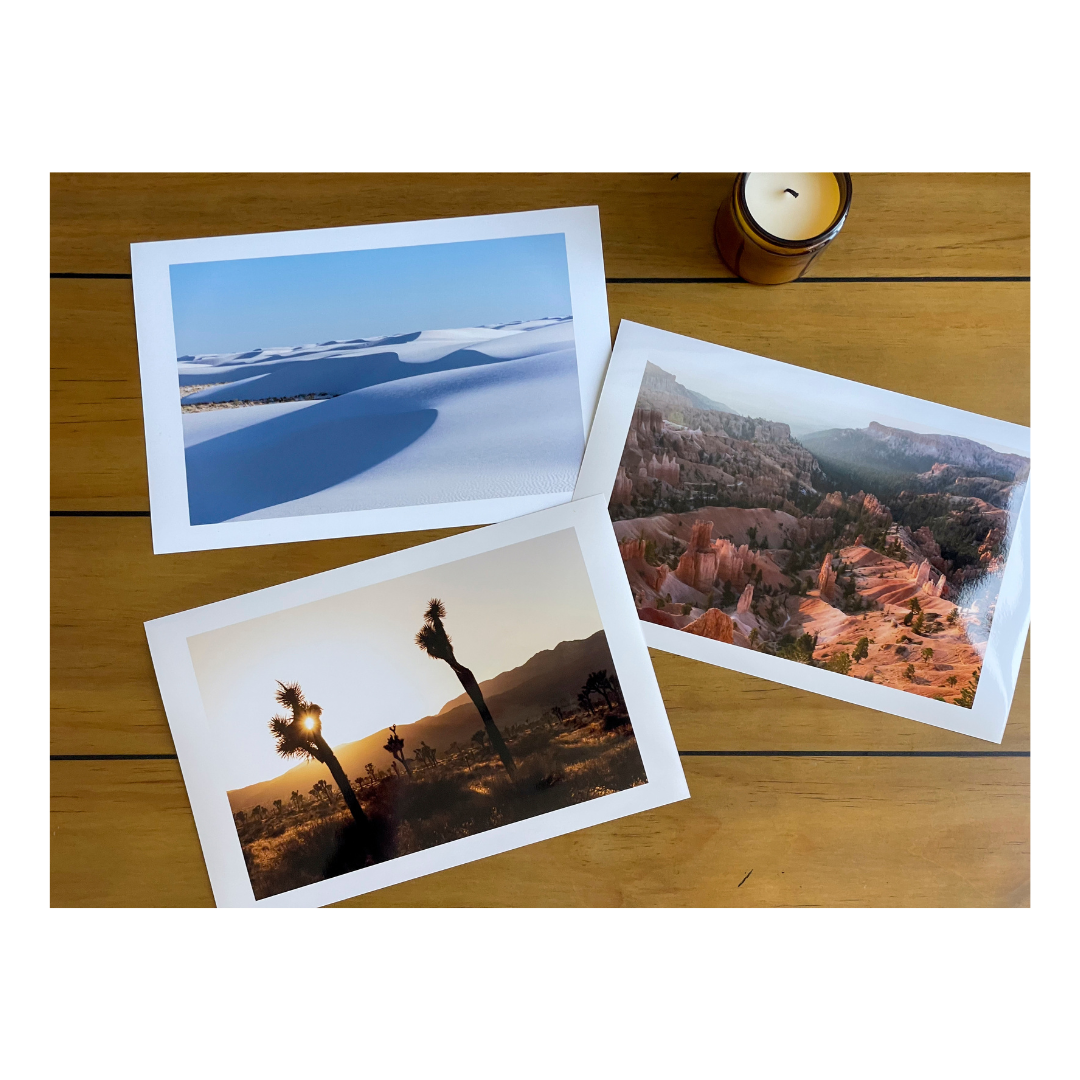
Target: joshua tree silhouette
[
  {"x": 322, "y": 791},
  {"x": 395, "y": 747},
  {"x": 300, "y": 735},
  {"x": 435, "y": 641},
  {"x": 599, "y": 683}
]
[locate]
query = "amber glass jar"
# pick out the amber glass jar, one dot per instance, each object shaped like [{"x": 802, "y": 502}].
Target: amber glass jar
[{"x": 764, "y": 258}]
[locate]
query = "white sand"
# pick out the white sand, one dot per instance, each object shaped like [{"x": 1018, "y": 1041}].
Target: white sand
[{"x": 462, "y": 425}]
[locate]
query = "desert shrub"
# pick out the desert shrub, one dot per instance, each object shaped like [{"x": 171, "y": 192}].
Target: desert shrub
[
  {"x": 967, "y": 694},
  {"x": 839, "y": 662},
  {"x": 909, "y": 672},
  {"x": 801, "y": 650},
  {"x": 862, "y": 649}
]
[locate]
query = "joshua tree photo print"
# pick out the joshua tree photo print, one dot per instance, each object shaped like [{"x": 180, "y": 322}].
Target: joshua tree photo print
[{"x": 399, "y": 754}]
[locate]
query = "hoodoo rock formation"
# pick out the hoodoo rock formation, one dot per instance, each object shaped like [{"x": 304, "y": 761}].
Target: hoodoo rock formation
[
  {"x": 827, "y": 578},
  {"x": 713, "y": 624},
  {"x": 623, "y": 489},
  {"x": 665, "y": 468},
  {"x": 745, "y": 600},
  {"x": 645, "y": 425},
  {"x": 707, "y": 562}
]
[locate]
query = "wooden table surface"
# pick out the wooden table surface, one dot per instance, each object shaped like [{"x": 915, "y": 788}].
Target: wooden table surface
[{"x": 822, "y": 803}]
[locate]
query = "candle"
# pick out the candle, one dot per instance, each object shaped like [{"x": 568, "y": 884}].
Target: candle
[{"x": 776, "y": 224}]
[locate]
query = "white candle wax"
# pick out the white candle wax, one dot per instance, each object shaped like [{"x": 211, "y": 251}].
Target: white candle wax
[{"x": 772, "y": 205}]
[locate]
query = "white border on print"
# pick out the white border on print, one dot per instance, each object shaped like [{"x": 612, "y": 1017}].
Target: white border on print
[
  {"x": 162, "y": 419},
  {"x": 168, "y": 640},
  {"x": 635, "y": 345}
]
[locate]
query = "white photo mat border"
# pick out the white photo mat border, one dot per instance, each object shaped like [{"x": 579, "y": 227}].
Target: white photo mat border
[
  {"x": 162, "y": 418},
  {"x": 194, "y": 739},
  {"x": 636, "y": 344}
]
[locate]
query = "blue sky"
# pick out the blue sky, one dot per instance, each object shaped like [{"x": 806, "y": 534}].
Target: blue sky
[{"x": 242, "y": 304}]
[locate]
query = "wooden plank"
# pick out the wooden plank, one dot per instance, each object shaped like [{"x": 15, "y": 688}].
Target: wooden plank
[
  {"x": 963, "y": 344},
  {"x": 654, "y": 226},
  {"x": 106, "y": 583},
  {"x": 809, "y": 831},
  {"x": 98, "y": 459}
]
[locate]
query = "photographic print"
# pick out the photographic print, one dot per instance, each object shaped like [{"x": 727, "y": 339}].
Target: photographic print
[
  {"x": 373, "y": 732},
  {"x": 368, "y": 379},
  {"x": 817, "y": 525}
]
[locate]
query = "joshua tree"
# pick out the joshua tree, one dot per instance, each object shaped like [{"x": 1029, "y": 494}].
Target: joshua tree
[
  {"x": 300, "y": 735},
  {"x": 480, "y": 738},
  {"x": 297, "y": 800},
  {"x": 599, "y": 683},
  {"x": 584, "y": 699},
  {"x": 395, "y": 747},
  {"x": 257, "y": 813},
  {"x": 277, "y": 807},
  {"x": 435, "y": 641},
  {"x": 369, "y": 768},
  {"x": 322, "y": 790},
  {"x": 426, "y": 755}
]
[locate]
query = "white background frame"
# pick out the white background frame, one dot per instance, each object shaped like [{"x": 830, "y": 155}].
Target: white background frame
[
  {"x": 195, "y": 740},
  {"x": 636, "y": 345},
  {"x": 162, "y": 417}
]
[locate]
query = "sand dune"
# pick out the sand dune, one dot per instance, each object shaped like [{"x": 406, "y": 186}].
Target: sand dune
[{"x": 438, "y": 424}]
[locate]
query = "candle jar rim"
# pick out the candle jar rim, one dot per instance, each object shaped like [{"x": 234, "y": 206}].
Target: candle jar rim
[{"x": 843, "y": 182}]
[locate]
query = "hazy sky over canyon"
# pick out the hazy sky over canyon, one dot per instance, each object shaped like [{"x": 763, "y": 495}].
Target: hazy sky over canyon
[{"x": 800, "y": 399}]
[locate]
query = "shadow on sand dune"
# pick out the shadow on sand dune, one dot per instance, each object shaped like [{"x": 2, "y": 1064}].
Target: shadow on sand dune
[{"x": 291, "y": 456}]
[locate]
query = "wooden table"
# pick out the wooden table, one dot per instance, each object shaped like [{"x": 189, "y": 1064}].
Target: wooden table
[{"x": 819, "y": 802}]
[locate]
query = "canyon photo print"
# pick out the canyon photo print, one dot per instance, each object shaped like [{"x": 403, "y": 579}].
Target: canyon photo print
[{"x": 865, "y": 549}]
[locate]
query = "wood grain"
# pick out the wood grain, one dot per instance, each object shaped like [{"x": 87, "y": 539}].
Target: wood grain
[
  {"x": 963, "y": 344},
  {"x": 106, "y": 584},
  {"x": 814, "y": 832},
  {"x": 905, "y": 224}
]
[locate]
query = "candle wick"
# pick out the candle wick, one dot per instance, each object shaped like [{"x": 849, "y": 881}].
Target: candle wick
[{"x": 790, "y": 192}]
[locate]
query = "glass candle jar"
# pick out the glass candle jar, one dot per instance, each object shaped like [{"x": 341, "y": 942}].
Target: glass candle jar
[{"x": 775, "y": 224}]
